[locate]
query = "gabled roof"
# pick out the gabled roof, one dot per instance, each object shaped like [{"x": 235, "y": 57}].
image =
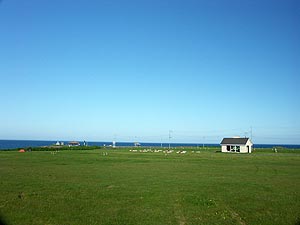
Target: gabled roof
[
  {"x": 74, "y": 143},
  {"x": 236, "y": 141}
]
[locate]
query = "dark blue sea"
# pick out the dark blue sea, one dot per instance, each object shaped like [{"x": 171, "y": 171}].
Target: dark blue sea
[{"x": 13, "y": 144}]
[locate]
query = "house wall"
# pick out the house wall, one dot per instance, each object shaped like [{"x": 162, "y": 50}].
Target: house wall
[
  {"x": 223, "y": 148},
  {"x": 243, "y": 148},
  {"x": 250, "y": 144}
]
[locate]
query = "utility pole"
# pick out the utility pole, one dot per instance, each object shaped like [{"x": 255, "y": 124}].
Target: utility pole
[
  {"x": 114, "y": 141},
  {"x": 170, "y": 138}
]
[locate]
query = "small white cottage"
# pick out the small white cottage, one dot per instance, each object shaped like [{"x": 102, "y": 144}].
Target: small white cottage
[{"x": 237, "y": 144}]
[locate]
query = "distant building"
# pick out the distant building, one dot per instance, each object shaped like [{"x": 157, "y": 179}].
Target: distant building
[
  {"x": 73, "y": 143},
  {"x": 137, "y": 144},
  {"x": 59, "y": 143},
  {"x": 236, "y": 144}
]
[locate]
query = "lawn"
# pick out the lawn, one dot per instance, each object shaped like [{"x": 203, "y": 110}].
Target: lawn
[{"x": 128, "y": 188}]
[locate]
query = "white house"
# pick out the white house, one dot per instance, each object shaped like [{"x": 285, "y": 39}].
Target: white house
[
  {"x": 73, "y": 143},
  {"x": 242, "y": 145}
]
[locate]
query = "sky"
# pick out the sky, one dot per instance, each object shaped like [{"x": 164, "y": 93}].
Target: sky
[{"x": 135, "y": 70}]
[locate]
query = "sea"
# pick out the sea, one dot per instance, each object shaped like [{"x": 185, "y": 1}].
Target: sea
[{"x": 13, "y": 144}]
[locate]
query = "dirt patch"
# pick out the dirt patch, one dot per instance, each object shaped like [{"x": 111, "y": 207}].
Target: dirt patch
[{"x": 237, "y": 217}]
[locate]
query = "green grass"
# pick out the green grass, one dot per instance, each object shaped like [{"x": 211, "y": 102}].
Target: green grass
[{"x": 87, "y": 187}]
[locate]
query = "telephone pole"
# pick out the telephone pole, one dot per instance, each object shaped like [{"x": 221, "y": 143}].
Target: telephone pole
[{"x": 170, "y": 138}]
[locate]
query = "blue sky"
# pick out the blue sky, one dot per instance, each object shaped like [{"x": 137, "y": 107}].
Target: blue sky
[{"x": 133, "y": 70}]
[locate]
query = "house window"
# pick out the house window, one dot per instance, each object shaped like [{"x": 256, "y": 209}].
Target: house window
[
  {"x": 234, "y": 148},
  {"x": 228, "y": 148}
]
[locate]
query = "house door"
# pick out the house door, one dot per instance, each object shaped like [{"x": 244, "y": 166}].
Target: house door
[{"x": 248, "y": 148}]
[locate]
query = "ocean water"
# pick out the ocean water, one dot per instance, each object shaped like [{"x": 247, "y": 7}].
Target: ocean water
[{"x": 12, "y": 144}]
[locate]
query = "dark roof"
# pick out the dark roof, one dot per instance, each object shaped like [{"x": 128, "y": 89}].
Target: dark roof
[{"x": 238, "y": 141}]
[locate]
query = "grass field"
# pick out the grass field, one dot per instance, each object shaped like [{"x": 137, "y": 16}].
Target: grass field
[{"x": 122, "y": 187}]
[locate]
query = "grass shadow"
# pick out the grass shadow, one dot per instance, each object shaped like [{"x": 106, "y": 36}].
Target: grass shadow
[{"x": 2, "y": 221}]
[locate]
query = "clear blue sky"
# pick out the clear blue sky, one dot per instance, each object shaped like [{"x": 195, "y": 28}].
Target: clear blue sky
[{"x": 133, "y": 70}]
